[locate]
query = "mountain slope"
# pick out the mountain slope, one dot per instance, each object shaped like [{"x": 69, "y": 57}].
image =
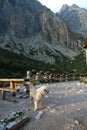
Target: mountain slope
[{"x": 31, "y": 29}]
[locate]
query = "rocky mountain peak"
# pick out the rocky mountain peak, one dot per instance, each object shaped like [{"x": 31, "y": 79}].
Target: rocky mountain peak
[
  {"x": 74, "y": 6},
  {"x": 75, "y": 18},
  {"x": 64, "y": 8}
]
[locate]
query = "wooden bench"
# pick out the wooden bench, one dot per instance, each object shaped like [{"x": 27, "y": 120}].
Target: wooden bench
[{"x": 4, "y": 90}]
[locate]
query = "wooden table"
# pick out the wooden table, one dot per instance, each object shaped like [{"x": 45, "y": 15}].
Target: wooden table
[
  {"x": 13, "y": 82},
  {"x": 12, "y": 88}
]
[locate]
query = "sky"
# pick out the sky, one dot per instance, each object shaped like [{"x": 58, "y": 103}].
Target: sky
[{"x": 55, "y": 5}]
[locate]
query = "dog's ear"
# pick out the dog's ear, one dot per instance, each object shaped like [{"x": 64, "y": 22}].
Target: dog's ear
[{"x": 46, "y": 91}]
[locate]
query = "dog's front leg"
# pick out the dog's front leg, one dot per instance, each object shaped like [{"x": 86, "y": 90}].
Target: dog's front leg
[{"x": 35, "y": 106}]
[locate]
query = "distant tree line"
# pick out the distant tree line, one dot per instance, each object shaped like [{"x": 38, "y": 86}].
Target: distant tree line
[{"x": 14, "y": 65}]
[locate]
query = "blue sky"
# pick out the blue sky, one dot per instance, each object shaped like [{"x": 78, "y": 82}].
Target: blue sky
[{"x": 55, "y": 5}]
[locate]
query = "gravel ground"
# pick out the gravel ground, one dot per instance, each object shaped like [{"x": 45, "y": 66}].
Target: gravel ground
[{"x": 65, "y": 108}]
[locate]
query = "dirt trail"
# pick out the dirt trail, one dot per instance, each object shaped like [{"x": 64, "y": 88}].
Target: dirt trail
[{"x": 66, "y": 108}]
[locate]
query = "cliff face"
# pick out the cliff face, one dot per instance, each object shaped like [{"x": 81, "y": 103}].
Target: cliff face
[
  {"x": 29, "y": 28},
  {"x": 75, "y": 18},
  {"x": 20, "y": 18}
]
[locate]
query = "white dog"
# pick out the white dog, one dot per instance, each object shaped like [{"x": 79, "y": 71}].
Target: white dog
[{"x": 38, "y": 95}]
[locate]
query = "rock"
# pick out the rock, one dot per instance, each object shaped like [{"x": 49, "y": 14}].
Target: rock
[
  {"x": 11, "y": 124},
  {"x": 76, "y": 122},
  {"x": 53, "y": 110},
  {"x": 38, "y": 116},
  {"x": 2, "y": 127}
]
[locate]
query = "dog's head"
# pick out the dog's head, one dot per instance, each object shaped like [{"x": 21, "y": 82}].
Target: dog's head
[{"x": 43, "y": 90}]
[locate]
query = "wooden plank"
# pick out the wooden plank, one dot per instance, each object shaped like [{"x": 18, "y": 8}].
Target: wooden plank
[
  {"x": 3, "y": 95},
  {"x": 4, "y": 90},
  {"x": 7, "y": 90},
  {"x": 20, "y": 124},
  {"x": 4, "y": 80}
]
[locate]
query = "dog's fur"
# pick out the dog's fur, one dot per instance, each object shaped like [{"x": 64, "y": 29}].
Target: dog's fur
[{"x": 38, "y": 95}]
